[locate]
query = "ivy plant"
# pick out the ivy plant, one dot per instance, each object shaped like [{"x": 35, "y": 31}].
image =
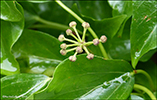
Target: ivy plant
[{"x": 78, "y": 50}]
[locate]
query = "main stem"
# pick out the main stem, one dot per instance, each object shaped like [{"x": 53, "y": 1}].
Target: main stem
[
  {"x": 140, "y": 87},
  {"x": 81, "y": 20}
]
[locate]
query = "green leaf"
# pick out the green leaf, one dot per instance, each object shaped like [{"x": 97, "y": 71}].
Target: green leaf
[
  {"x": 143, "y": 29},
  {"x": 37, "y": 44},
  {"x": 116, "y": 47},
  {"x": 9, "y": 11},
  {"x": 97, "y": 10},
  {"x": 135, "y": 97},
  {"x": 113, "y": 89},
  {"x": 10, "y": 32},
  {"x": 21, "y": 86},
  {"x": 119, "y": 8},
  {"x": 73, "y": 79},
  {"x": 38, "y": 65}
]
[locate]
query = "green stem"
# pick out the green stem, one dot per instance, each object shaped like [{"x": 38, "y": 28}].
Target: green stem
[
  {"x": 72, "y": 49},
  {"x": 86, "y": 50},
  {"x": 74, "y": 37},
  {"x": 71, "y": 45},
  {"x": 77, "y": 34},
  {"x": 81, "y": 20},
  {"x": 88, "y": 43},
  {"x": 72, "y": 41},
  {"x": 140, "y": 87},
  {"x": 53, "y": 25},
  {"x": 84, "y": 33},
  {"x": 147, "y": 75}
]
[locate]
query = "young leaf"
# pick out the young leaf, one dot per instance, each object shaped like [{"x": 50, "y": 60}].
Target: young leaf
[
  {"x": 21, "y": 86},
  {"x": 73, "y": 79},
  {"x": 10, "y": 32},
  {"x": 143, "y": 29}
]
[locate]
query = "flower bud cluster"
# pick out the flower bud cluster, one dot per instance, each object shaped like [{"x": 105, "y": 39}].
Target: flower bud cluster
[{"x": 79, "y": 43}]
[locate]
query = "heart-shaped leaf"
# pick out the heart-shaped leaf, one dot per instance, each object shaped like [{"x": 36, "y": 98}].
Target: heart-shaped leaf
[
  {"x": 143, "y": 29},
  {"x": 73, "y": 79},
  {"x": 21, "y": 86},
  {"x": 10, "y": 32}
]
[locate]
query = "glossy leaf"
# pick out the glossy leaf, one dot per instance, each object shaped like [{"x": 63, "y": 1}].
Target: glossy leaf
[
  {"x": 38, "y": 65},
  {"x": 9, "y": 11},
  {"x": 21, "y": 86},
  {"x": 116, "y": 47},
  {"x": 113, "y": 89},
  {"x": 143, "y": 29},
  {"x": 121, "y": 7},
  {"x": 135, "y": 97},
  {"x": 97, "y": 10},
  {"x": 38, "y": 44},
  {"x": 73, "y": 79},
  {"x": 10, "y": 32}
]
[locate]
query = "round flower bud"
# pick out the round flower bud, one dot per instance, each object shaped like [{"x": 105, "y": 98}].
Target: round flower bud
[
  {"x": 85, "y": 25},
  {"x": 96, "y": 41},
  {"x": 63, "y": 52},
  {"x": 68, "y": 31},
  {"x": 90, "y": 56},
  {"x": 103, "y": 38},
  {"x": 63, "y": 45},
  {"x": 72, "y": 58},
  {"x": 61, "y": 38},
  {"x": 79, "y": 50},
  {"x": 72, "y": 24}
]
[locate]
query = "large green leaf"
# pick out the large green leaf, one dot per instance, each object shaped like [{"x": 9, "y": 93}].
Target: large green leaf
[
  {"x": 10, "y": 32},
  {"x": 21, "y": 86},
  {"x": 9, "y": 11},
  {"x": 37, "y": 44},
  {"x": 113, "y": 89},
  {"x": 121, "y": 7},
  {"x": 73, "y": 79},
  {"x": 143, "y": 29}
]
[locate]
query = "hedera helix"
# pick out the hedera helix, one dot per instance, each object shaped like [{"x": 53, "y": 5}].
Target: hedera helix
[{"x": 80, "y": 43}]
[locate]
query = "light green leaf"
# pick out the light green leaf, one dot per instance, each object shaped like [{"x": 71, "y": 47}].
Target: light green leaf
[
  {"x": 10, "y": 32},
  {"x": 9, "y": 11},
  {"x": 143, "y": 29},
  {"x": 21, "y": 86}
]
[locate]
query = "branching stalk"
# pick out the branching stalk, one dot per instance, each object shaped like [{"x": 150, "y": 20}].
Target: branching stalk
[{"x": 81, "y": 20}]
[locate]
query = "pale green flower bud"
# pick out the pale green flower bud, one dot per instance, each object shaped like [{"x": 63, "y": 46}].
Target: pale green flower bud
[
  {"x": 63, "y": 52},
  {"x": 96, "y": 41},
  {"x": 61, "y": 38},
  {"x": 68, "y": 31},
  {"x": 103, "y": 38},
  {"x": 79, "y": 50},
  {"x": 63, "y": 45},
  {"x": 72, "y": 58},
  {"x": 72, "y": 24},
  {"x": 90, "y": 56},
  {"x": 85, "y": 25}
]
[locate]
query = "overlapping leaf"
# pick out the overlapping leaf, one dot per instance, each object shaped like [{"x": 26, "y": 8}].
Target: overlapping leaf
[
  {"x": 143, "y": 29},
  {"x": 21, "y": 86},
  {"x": 11, "y": 30},
  {"x": 73, "y": 79}
]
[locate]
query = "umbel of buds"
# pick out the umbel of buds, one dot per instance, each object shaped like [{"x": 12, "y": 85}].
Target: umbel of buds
[{"x": 79, "y": 44}]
